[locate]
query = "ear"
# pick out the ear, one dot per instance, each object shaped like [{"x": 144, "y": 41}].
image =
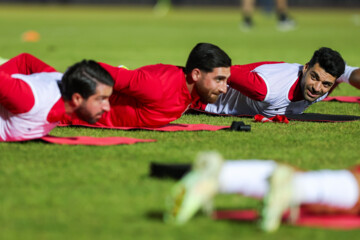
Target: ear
[
  {"x": 305, "y": 68},
  {"x": 77, "y": 99},
  {"x": 196, "y": 74}
]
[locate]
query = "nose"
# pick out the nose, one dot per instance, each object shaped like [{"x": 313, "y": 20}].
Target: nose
[
  {"x": 317, "y": 86},
  {"x": 106, "y": 106},
  {"x": 223, "y": 87}
]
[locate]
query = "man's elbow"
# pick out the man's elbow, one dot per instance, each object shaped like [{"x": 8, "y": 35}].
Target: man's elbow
[{"x": 354, "y": 79}]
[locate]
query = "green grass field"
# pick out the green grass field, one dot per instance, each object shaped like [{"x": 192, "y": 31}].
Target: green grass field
[{"x": 82, "y": 192}]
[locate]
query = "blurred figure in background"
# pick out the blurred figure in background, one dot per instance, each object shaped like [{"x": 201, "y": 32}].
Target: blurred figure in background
[
  {"x": 284, "y": 22},
  {"x": 162, "y": 7},
  {"x": 3, "y": 60}
]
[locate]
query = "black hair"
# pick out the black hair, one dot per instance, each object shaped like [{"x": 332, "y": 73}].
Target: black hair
[
  {"x": 330, "y": 60},
  {"x": 82, "y": 78},
  {"x": 206, "y": 57}
]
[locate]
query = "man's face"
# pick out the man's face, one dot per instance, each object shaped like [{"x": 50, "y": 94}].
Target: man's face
[
  {"x": 92, "y": 108},
  {"x": 210, "y": 85},
  {"x": 315, "y": 82}
]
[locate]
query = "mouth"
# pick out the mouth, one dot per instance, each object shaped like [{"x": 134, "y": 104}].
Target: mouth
[
  {"x": 98, "y": 116},
  {"x": 215, "y": 95},
  {"x": 310, "y": 94}
]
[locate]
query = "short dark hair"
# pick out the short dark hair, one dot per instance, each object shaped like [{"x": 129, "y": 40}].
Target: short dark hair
[
  {"x": 330, "y": 60},
  {"x": 206, "y": 57},
  {"x": 82, "y": 78}
]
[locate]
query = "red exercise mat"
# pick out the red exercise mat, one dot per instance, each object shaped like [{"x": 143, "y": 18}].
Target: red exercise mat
[
  {"x": 167, "y": 128},
  {"x": 337, "y": 221},
  {"x": 346, "y": 99},
  {"x": 95, "y": 141}
]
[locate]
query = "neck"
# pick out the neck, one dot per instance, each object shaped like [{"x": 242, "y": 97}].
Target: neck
[
  {"x": 69, "y": 109},
  {"x": 296, "y": 93},
  {"x": 190, "y": 83}
]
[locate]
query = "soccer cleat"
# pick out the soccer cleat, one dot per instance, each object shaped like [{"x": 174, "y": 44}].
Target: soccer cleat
[
  {"x": 195, "y": 190},
  {"x": 246, "y": 25},
  {"x": 278, "y": 199},
  {"x": 286, "y": 25}
]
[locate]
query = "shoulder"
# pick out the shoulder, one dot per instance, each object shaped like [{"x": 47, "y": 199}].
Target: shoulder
[
  {"x": 160, "y": 68},
  {"x": 279, "y": 78},
  {"x": 280, "y": 74},
  {"x": 251, "y": 66},
  {"x": 279, "y": 67},
  {"x": 162, "y": 72}
]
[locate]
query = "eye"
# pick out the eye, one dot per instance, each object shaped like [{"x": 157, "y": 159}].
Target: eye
[
  {"x": 101, "y": 98},
  {"x": 326, "y": 84},
  {"x": 220, "y": 79}
]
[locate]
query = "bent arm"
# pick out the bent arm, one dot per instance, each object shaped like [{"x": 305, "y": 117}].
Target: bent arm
[
  {"x": 354, "y": 79},
  {"x": 25, "y": 64},
  {"x": 122, "y": 76},
  {"x": 351, "y": 76},
  {"x": 15, "y": 95},
  {"x": 135, "y": 83},
  {"x": 248, "y": 82}
]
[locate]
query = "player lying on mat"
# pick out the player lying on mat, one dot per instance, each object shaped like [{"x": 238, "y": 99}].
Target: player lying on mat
[
  {"x": 34, "y": 97},
  {"x": 279, "y": 88},
  {"x": 282, "y": 187},
  {"x": 155, "y": 95}
]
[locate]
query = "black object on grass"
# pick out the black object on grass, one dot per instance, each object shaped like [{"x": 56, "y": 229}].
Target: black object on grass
[{"x": 240, "y": 126}]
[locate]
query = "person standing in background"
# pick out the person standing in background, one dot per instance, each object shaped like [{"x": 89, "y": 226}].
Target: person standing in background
[{"x": 285, "y": 23}]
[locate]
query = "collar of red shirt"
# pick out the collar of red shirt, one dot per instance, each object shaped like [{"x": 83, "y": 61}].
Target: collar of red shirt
[
  {"x": 295, "y": 93},
  {"x": 57, "y": 112}
]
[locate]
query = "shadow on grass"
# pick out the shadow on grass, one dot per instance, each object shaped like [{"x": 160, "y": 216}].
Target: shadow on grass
[{"x": 155, "y": 215}]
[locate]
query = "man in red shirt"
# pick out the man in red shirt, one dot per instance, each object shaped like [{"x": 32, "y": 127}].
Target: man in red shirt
[
  {"x": 155, "y": 95},
  {"x": 34, "y": 97}
]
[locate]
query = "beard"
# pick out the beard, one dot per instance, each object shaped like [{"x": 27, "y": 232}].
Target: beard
[
  {"x": 308, "y": 93},
  {"x": 205, "y": 95},
  {"x": 311, "y": 98},
  {"x": 85, "y": 115}
]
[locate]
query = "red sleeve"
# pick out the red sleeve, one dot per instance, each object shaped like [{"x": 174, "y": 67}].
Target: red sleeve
[
  {"x": 139, "y": 83},
  {"x": 25, "y": 64},
  {"x": 248, "y": 82},
  {"x": 15, "y": 95}
]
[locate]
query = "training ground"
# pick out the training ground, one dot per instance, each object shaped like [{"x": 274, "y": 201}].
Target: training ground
[{"x": 83, "y": 192}]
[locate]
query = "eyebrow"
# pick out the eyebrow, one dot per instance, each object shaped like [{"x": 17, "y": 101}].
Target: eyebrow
[
  {"x": 316, "y": 74},
  {"x": 331, "y": 83},
  {"x": 317, "y": 77},
  {"x": 221, "y": 77}
]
